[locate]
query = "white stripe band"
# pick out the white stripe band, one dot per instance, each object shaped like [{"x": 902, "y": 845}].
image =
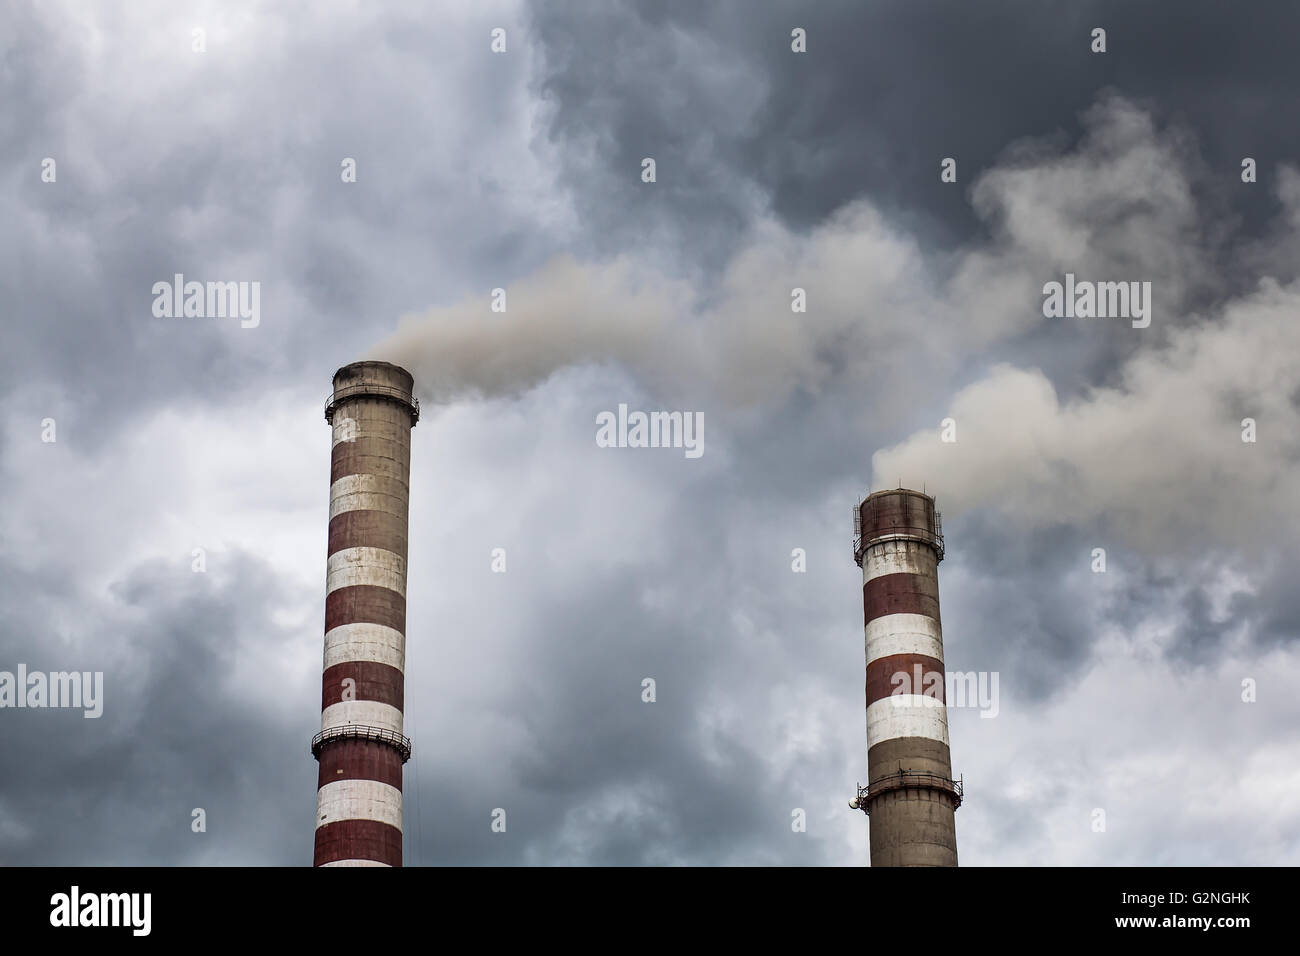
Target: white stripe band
[
  {"x": 892, "y": 634},
  {"x": 356, "y": 863},
  {"x": 898, "y": 557},
  {"x": 365, "y": 642},
  {"x": 358, "y": 800},
  {"x": 376, "y": 567},
  {"x": 350, "y": 428},
  {"x": 345, "y": 429},
  {"x": 380, "y": 467},
  {"x": 368, "y": 501},
  {"x": 906, "y": 715},
  {"x": 367, "y": 493},
  {"x": 370, "y": 713}
]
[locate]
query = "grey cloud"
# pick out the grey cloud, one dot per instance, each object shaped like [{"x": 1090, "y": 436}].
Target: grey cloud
[
  {"x": 178, "y": 729},
  {"x": 523, "y": 688},
  {"x": 226, "y": 165},
  {"x": 889, "y": 88}
]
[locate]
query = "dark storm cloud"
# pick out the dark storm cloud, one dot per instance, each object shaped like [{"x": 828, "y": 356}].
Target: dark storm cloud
[
  {"x": 626, "y": 85},
  {"x": 523, "y": 689},
  {"x": 1274, "y": 609},
  {"x": 888, "y": 89},
  {"x": 593, "y": 747},
  {"x": 1209, "y": 605},
  {"x": 225, "y": 165},
  {"x": 560, "y": 736},
  {"x": 181, "y": 727},
  {"x": 1023, "y": 605}
]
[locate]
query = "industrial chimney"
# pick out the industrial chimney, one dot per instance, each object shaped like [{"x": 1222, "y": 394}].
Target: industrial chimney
[
  {"x": 910, "y": 797},
  {"x": 360, "y": 747}
]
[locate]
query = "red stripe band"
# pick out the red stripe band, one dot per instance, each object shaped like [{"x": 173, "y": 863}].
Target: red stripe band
[
  {"x": 367, "y": 529},
  {"x": 371, "y": 456},
  {"x": 900, "y": 594},
  {"x": 370, "y": 680},
  {"x": 365, "y": 604},
  {"x": 905, "y": 674},
  {"x": 358, "y": 840},
  {"x": 351, "y": 759}
]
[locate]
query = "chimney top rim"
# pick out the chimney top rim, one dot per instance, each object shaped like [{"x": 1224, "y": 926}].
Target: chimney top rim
[
  {"x": 372, "y": 363},
  {"x": 899, "y": 491}
]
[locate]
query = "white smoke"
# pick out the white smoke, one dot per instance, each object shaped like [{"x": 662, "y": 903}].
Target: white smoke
[
  {"x": 1161, "y": 447},
  {"x": 864, "y": 289},
  {"x": 1118, "y": 204},
  {"x": 567, "y": 313},
  {"x": 1159, "y": 456}
]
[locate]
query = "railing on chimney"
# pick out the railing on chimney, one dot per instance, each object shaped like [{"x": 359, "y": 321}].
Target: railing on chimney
[
  {"x": 367, "y": 390},
  {"x": 910, "y": 780},
  {"x": 362, "y": 732}
]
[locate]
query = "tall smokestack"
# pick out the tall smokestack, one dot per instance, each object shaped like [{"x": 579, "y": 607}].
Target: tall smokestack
[
  {"x": 910, "y": 797},
  {"x": 360, "y": 748}
]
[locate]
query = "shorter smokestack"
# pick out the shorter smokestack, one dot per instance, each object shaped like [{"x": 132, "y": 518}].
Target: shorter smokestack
[{"x": 910, "y": 797}]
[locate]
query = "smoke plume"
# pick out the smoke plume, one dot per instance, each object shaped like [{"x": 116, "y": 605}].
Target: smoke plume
[{"x": 896, "y": 325}]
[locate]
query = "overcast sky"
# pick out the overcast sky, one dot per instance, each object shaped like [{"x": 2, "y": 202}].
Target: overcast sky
[{"x": 1119, "y": 691}]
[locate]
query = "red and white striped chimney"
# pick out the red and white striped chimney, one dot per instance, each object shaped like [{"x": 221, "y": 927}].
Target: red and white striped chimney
[
  {"x": 910, "y": 796},
  {"x": 361, "y": 748}
]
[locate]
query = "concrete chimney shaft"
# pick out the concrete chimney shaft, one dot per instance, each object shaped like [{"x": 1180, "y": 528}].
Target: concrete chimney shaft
[
  {"x": 910, "y": 797},
  {"x": 361, "y": 747}
]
